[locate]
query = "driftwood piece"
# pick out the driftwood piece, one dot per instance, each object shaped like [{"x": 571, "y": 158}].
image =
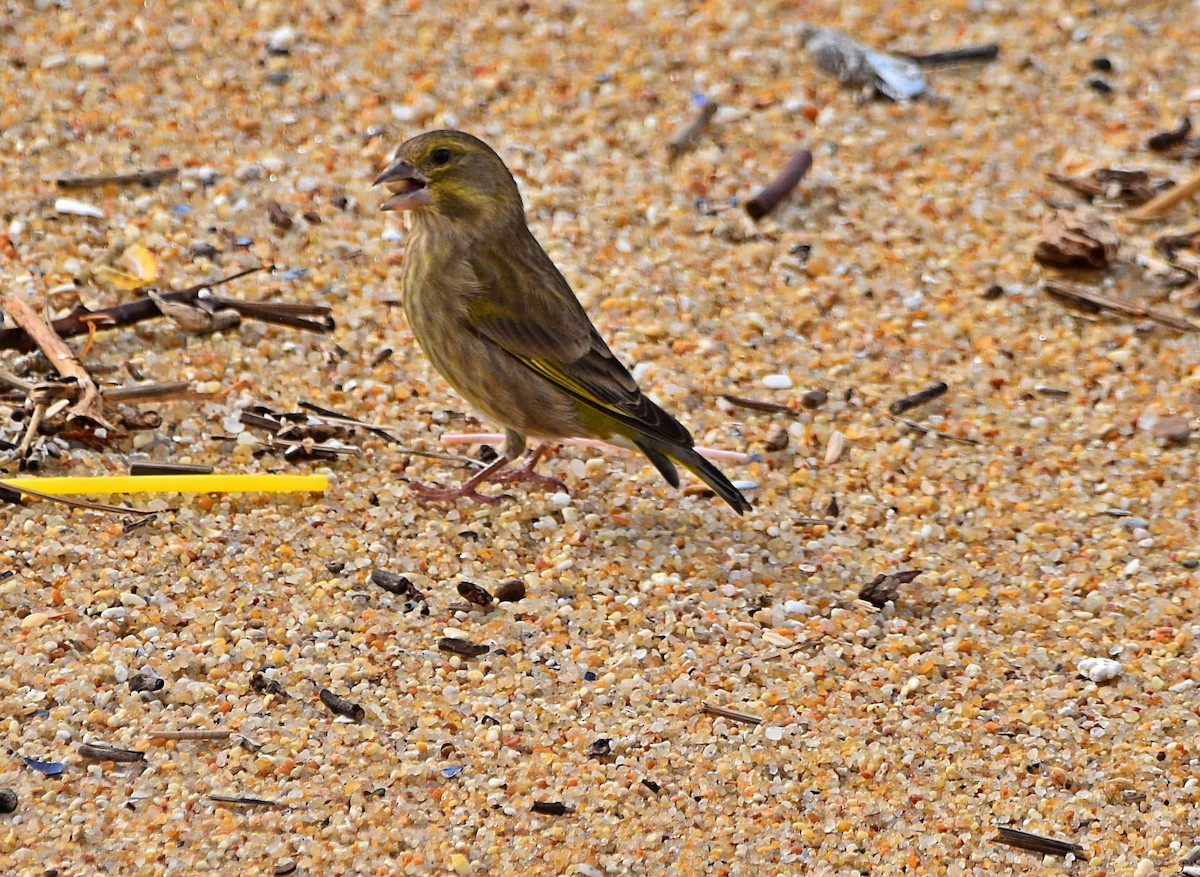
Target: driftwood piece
[
  {"x": 90, "y": 404},
  {"x": 1074, "y": 295}
]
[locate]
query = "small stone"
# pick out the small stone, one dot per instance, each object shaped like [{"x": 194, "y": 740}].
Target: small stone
[
  {"x": 814, "y": 398},
  {"x": 1171, "y": 428},
  {"x": 8, "y": 801},
  {"x": 773, "y": 733},
  {"x": 1144, "y": 868},
  {"x": 510, "y": 591},
  {"x": 1100, "y": 670},
  {"x": 91, "y": 60},
  {"x": 777, "y": 382},
  {"x": 281, "y": 40}
]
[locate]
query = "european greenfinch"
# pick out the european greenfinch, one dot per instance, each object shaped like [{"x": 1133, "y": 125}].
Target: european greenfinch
[{"x": 499, "y": 322}]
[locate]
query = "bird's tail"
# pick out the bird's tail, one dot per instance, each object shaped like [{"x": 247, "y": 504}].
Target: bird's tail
[{"x": 689, "y": 459}]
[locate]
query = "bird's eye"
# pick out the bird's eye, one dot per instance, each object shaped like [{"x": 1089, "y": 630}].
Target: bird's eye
[{"x": 440, "y": 156}]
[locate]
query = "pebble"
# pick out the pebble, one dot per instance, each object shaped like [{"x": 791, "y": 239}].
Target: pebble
[
  {"x": 91, "y": 61},
  {"x": 777, "y": 382},
  {"x": 281, "y": 40},
  {"x": 1100, "y": 670}
]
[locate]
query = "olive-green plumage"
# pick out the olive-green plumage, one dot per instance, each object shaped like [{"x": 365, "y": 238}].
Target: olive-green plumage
[{"x": 500, "y": 323}]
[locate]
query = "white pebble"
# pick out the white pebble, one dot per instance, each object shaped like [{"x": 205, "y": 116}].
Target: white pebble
[
  {"x": 128, "y": 598},
  {"x": 113, "y": 613},
  {"x": 1144, "y": 868},
  {"x": 773, "y": 733},
  {"x": 77, "y": 208},
  {"x": 777, "y": 382},
  {"x": 305, "y": 185},
  {"x": 587, "y": 870},
  {"x": 797, "y": 607},
  {"x": 281, "y": 39},
  {"x": 1100, "y": 670},
  {"x": 91, "y": 60},
  {"x": 560, "y": 499}
]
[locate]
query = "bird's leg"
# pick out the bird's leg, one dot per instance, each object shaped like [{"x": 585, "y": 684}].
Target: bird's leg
[
  {"x": 526, "y": 473},
  {"x": 514, "y": 445}
]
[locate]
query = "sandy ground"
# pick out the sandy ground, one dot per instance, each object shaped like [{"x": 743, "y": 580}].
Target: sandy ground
[{"x": 1052, "y": 514}]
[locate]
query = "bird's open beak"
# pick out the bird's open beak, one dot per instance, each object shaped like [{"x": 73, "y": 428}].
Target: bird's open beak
[{"x": 407, "y": 185}]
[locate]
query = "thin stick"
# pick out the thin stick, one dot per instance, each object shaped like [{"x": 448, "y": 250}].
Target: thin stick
[
  {"x": 968, "y": 54},
  {"x": 1081, "y": 296},
  {"x": 490, "y": 438},
  {"x": 714, "y": 710},
  {"x": 192, "y": 734},
  {"x": 682, "y": 139},
  {"x": 1158, "y": 205},
  {"x": 145, "y": 178},
  {"x": 90, "y": 405},
  {"x": 768, "y": 197},
  {"x": 1037, "y": 843},
  {"x": 929, "y": 430},
  {"x": 18, "y": 487}
]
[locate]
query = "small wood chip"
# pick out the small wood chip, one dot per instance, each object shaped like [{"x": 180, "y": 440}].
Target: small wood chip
[
  {"x": 1079, "y": 238},
  {"x": 884, "y": 587},
  {"x": 768, "y": 197},
  {"x": 686, "y": 133},
  {"x": 242, "y": 799},
  {"x": 394, "y": 583},
  {"x": 1036, "y": 843},
  {"x": 144, "y": 178},
  {"x": 462, "y": 647},
  {"x": 714, "y": 710},
  {"x": 551, "y": 808},
  {"x": 100, "y": 752},
  {"x": 918, "y": 398},
  {"x": 476, "y": 594},
  {"x": 777, "y": 438},
  {"x": 756, "y": 404},
  {"x": 341, "y": 706},
  {"x": 1164, "y": 140},
  {"x": 1159, "y": 205},
  {"x": 192, "y": 734},
  {"x": 1089, "y": 300}
]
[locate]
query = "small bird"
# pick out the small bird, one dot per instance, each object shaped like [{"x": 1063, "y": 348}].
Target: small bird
[{"x": 499, "y": 322}]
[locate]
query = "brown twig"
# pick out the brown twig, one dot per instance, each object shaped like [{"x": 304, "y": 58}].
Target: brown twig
[
  {"x": 768, "y": 197},
  {"x": 1081, "y": 297},
  {"x": 682, "y": 139},
  {"x": 121, "y": 315},
  {"x": 19, "y": 487},
  {"x": 145, "y": 178},
  {"x": 1160, "y": 204},
  {"x": 90, "y": 404}
]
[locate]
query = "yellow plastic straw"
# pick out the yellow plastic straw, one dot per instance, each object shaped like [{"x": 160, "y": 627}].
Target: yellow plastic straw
[{"x": 104, "y": 484}]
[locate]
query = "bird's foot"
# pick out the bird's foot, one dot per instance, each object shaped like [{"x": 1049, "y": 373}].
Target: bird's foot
[
  {"x": 445, "y": 494},
  {"x": 527, "y": 473}
]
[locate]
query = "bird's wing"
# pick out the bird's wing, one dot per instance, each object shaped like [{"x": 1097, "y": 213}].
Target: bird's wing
[{"x": 525, "y": 306}]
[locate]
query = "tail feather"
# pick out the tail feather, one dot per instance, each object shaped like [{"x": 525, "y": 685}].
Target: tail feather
[
  {"x": 689, "y": 459},
  {"x": 661, "y": 462}
]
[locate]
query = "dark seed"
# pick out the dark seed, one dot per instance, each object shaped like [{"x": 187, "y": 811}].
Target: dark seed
[
  {"x": 99, "y": 752},
  {"x": 511, "y": 591},
  {"x": 551, "y": 808},
  {"x": 476, "y": 594},
  {"x": 1100, "y": 86},
  {"x": 8, "y": 800}
]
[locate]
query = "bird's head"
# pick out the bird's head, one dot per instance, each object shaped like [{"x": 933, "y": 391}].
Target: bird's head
[{"x": 452, "y": 175}]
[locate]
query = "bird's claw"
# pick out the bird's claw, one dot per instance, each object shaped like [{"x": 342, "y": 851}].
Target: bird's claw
[{"x": 445, "y": 494}]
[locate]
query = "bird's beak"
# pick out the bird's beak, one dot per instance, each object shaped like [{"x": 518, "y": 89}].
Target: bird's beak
[{"x": 408, "y": 186}]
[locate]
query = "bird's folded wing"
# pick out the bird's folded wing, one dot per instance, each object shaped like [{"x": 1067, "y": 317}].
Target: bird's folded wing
[{"x": 527, "y": 308}]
